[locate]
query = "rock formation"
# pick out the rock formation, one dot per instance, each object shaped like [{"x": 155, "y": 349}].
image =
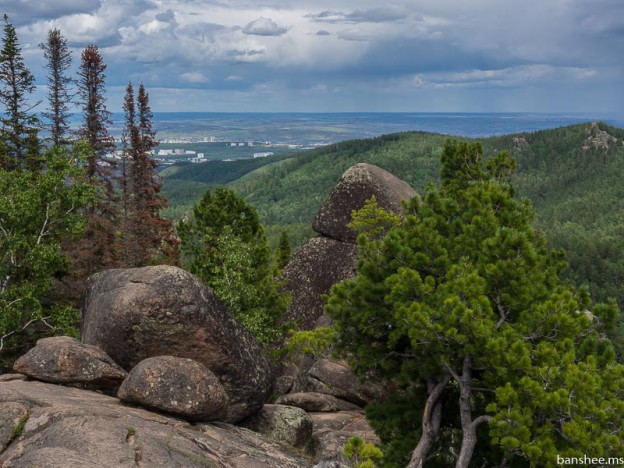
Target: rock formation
[
  {"x": 62, "y": 359},
  {"x": 326, "y": 388},
  {"x": 358, "y": 184},
  {"x": 57, "y": 427},
  {"x": 598, "y": 138},
  {"x": 285, "y": 424},
  {"x": 331, "y": 258},
  {"x": 137, "y": 313},
  {"x": 188, "y": 357},
  {"x": 311, "y": 272},
  {"x": 333, "y": 377},
  {"x": 178, "y": 386}
]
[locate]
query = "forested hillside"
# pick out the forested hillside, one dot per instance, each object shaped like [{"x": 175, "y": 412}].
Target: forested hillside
[{"x": 570, "y": 174}]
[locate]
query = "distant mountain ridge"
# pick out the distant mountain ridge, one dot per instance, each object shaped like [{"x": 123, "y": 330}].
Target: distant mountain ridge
[{"x": 571, "y": 175}]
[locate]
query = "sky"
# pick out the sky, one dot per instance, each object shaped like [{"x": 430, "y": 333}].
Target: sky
[{"x": 344, "y": 55}]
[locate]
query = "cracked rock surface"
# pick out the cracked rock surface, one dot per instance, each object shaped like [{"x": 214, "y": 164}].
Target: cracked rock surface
[{"x": 64, "y": 427}]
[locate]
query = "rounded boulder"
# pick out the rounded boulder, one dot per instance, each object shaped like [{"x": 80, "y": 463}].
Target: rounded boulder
[
  {"x": 137, "y": 313},
  {"x": 179, "y": 386},
  {"x": 358, "y": 184},
  {"x": 65, "y": 360}
]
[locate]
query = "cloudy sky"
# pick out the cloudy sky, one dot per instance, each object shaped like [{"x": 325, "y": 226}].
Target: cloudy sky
[{"x": 345, "y": 55}]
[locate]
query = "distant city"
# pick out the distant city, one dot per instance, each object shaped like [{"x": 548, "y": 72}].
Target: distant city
[{"x": 201, "y": 137}]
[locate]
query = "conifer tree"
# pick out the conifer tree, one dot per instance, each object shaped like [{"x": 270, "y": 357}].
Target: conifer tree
[
  {"x": 463, "y": 308},
  {"x": 146, "y": 234},
  {"x": 283, "y": 249},
  {"x": 19, "y": 125},
  {"x": 58, "y": 56},
  {"x": 96, "y": 117},
  {"x": 100, "y": 247}
]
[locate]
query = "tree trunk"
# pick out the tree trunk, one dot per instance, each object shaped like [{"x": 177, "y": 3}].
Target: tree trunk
[
  {"x": 469, "y": 427},
  {"x": 432, "y": 417}
]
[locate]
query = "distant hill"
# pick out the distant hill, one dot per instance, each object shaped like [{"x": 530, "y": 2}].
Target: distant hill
[{"x": 571, "y": 174}]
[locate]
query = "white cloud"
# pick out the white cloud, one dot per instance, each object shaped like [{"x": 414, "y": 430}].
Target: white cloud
[
  {"x": 343, "y": 44},
  {"x": 194, "y": 77}
]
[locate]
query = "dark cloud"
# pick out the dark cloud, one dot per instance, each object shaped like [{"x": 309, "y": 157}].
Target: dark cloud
[
  {"x": 166, "y": 17},
  {"x": 372, "y": 47},
  {"x": 244, "y": 53},
  {"x": 264, "y": 27},
  {"x": 375, "y": 15}
]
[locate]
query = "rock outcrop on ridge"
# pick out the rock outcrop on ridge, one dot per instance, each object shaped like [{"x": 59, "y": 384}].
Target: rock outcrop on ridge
[
  {"x": 358, "y": 184},
  {"x": 137, "y": 313},
  {"x": 189, "y": 360},
  {"x": 57, "y": 427}
]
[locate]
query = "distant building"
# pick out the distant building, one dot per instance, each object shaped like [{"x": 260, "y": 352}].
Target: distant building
[{"x": 263, "y": 154}]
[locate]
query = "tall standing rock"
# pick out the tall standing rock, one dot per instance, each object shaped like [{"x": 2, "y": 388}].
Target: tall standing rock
[
  {"x": 313, "y": 270},
  {"x": 358, "y": 184},
  {"x": 133, "y": 314},
  {"x": 331, "y": 258}
]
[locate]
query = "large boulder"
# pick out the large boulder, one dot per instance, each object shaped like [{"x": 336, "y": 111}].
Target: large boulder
[
  {"x": 137, "y": 313},
  {"x": 57, "y": 427},
  {"x": 285, "y": 424},
  {"x": 333, "y": 430},
  {"x": 65, "y": 360},
  {"x": 358, "y": 184},
  {"x": 313, "y": 401},
  {"x": 333, "y": 377},
  {"x": 179, "y": 386},
  {"x": 311, "y": 272}
]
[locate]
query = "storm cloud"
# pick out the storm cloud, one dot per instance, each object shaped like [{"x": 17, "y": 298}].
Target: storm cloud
[{"x": 345, "y": 55}]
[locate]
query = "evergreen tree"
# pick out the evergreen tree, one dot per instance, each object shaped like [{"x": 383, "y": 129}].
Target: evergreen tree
[
  {"x": 96, "y": 118},
  {"x": 58, "y": 56},
  {"x": 373, "y": 221},
  {"x": 283, "y": 250},
  {"x": 146, "y": 235},
  {"x": 19, "y": 125},
  {"x": 99, "y": 249},
  {"x": 462, "y": 306},
  {"x": 224, "y": 244}
]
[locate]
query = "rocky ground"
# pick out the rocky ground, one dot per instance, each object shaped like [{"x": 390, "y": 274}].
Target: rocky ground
[{"x": 164, "y": 375}]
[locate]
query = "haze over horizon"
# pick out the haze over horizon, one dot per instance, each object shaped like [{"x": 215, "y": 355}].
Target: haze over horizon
[{"x": 344, "y": 55}]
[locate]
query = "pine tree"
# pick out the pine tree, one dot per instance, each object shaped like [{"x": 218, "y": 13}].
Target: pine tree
[
  {"x": 96, "y": 118},
  {"x": 19, "y": 126},
  {"x": 99, "y": 249},
  {"x": 283, "y": 250},
  {"x": 462, "y": 306},
  {"x": 58, "y": 56},
  {"x": 146, "y": 235}
]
